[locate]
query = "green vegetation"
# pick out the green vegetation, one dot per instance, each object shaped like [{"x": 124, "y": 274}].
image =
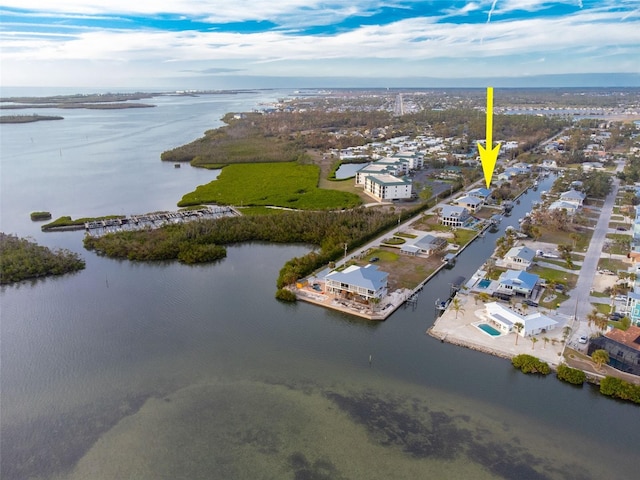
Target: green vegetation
[
  {"x": 37, "y": 216},
  {"x": 556, "y": 276},
  {"x": 329, "y": 230},
  {"x": 394, "y": 241},
  {"x": 21, "y": 259},
  {"x": 286, "y": 295},
  {"x": 530, "y": 364},
  {"x": 618, "y": 388},
  {"x": 27, "y": 118},
  {"x": 287, "y": 185},
  {"x": 571, "y": 375},
  {"x": 463, "y": 236},
  {"x": 276, "y": 137},
  {"x": 67, "y": 221}
]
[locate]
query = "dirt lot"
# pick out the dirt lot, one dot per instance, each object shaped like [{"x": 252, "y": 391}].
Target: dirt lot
[{"x": 405, "y": 271}]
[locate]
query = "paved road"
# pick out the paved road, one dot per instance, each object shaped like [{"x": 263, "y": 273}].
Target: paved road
[{"x": 579, "y": 304}]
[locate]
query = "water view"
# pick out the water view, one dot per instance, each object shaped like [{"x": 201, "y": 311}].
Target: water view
[{"x": 161, "y": 370}]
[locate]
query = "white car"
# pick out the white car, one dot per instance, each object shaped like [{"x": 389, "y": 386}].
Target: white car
[{"x": 582, "y": 339}]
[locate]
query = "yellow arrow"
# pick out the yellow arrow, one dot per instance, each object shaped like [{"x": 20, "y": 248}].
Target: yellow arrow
[{"x": 489, "y": 154}]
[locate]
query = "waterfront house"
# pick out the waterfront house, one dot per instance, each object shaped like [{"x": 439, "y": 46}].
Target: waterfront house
[
  {"x": 430, "y": 244},
  {"x": 573, "y": 196},
  {"x": 504, "y": 318},
  {"x": 570, "y": 207},
  {"x": 454, "y": 216},
  {"x": 623, "y": 348},
  {"x": 358, "y": 283},
  {"x": 518, "y": 258},
  {"x": 517, "y": 282},
  {"x": 481, "y": 193},
  {"x": 473, "y": 204},
  {"x": 550, "y": 164}
]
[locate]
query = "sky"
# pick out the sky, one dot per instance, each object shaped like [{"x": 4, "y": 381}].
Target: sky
[{"x": 221, "y": 44}]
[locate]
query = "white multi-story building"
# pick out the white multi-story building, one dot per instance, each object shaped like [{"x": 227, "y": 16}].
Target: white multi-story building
[{"x": 387, "y": 187}]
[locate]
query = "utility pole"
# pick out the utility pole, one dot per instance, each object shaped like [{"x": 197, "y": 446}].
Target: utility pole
[{"x": 345, "y": 251}]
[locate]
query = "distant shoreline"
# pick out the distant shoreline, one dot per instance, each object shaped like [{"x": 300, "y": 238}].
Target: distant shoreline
[{"x": 27, "y": 118}]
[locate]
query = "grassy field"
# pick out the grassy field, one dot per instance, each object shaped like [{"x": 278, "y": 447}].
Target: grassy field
[
  {"x": 612, "y": 264},
  {"x": 551, "y": 274},
  {"x": 558, "y": 237},
  {"x": 288, "y": 185},
  {"x": 561, "y": 263},
  {"x": 557, "y": 299}
]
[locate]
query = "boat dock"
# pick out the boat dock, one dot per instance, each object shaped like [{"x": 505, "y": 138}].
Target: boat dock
[{"x": 156, "y": 220}]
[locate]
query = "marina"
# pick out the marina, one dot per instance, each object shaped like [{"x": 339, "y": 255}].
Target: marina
[{"x": 156, "y": 220}]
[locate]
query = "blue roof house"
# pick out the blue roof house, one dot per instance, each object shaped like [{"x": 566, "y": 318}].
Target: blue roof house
[{"x": 517, "y": 282}]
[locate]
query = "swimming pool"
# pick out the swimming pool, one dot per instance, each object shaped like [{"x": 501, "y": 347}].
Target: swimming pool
[
  {"x": 484, "y": 283},
  {"x": 488, "y": 329}
]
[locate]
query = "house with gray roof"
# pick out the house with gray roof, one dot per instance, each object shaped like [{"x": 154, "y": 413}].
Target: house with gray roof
[
  {"x": 453, "y": 215},
  {"x": 573, "y": 196},
  {"x": 517, "y": 258},
  {"x": 473, "y": 204},
  {"x": 358, "y": 283},
  {"x": 481, "y": 193}
]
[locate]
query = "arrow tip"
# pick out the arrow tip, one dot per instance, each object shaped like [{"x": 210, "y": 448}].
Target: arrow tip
[{"x": 488, "y": 158}]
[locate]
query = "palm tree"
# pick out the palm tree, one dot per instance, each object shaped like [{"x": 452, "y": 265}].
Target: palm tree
[
  {"x": 545, "y": 340},
  {"x": 518, "y": 326},
  {"x": 534, "y": 340},
  {"x": 600, "y": 357},
  {"x": 524, "y": 307},
  {"x": 554, "y": 341},
  {"x": 602, "y": 322},
  {"x": 592, "y": 317},
  {"x": 566, "y": 331},
  {"x": 456, "y": 306}
]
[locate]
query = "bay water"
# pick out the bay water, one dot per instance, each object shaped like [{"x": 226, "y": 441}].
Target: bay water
[{"x": 161, "y": 370}]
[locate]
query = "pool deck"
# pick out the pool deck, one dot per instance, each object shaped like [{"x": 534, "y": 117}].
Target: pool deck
[{"x": 462, "y": 331}]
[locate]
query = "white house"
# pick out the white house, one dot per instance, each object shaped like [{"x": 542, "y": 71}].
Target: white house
[
  {"x": 573, "y": 196},
  {"x": 570, "y": 207},
  {"x": 504, "y": 318},
  {"x": 357, "y": 282},
  {"x": 519, "y": 258},
  {"x": 453, "y": 216},
  {"x": 473, "y": 204}
]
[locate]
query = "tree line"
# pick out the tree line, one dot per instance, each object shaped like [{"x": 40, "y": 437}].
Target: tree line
[
  {"x": 328, "y": 230},
  {"x": 21, "y": 259}
]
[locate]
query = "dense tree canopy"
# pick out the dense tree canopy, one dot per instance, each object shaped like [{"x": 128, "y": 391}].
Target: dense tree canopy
[{"x": 21, "y": 259}]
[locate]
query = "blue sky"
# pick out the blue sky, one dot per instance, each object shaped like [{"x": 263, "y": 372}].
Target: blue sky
[{"x": 244, "y": 43}]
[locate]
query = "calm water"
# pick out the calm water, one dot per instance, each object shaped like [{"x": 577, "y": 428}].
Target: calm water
[{"x": 159, "y": 370}]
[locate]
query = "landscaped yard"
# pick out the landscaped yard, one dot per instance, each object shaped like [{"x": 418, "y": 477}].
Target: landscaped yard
[{"x": 558, "y": 237}]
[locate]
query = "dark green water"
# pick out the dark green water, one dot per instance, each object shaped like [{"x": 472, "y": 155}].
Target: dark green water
[{"x": 147, "y": 371}]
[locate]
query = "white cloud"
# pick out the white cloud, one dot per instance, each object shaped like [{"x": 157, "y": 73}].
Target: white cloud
[{"x": 429, "y": 46}]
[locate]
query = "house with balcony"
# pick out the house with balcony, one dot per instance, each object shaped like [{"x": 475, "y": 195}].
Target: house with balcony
[
  {"x": 622, "y": 346},
  {"x": 473, "y": 204},
  {"x": 357, "y": 283},
  {"x": 517, "y": 258},
  {"x": 454, "y": 216}
]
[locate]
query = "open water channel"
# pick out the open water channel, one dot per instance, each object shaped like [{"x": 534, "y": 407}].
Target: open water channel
[{"x": 160, "y": 370}]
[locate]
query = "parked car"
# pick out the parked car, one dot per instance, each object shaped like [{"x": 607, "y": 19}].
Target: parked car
[
  {"x": 615, "y": 316},
  {"x": 374, "y": 259},
  {"x": 621, "y": 229},
  {"x": 582, "y": 339},
  {"x": 621, "y": 298}
]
